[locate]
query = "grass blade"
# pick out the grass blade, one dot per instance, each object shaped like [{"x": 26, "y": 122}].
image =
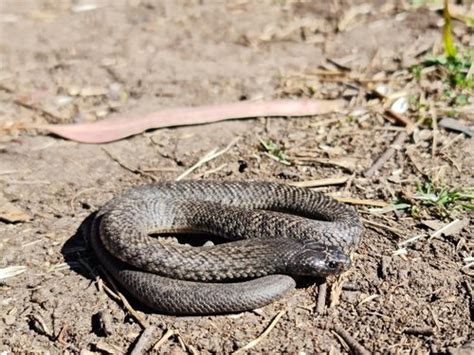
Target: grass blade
[{"x": 449, "y": 47}]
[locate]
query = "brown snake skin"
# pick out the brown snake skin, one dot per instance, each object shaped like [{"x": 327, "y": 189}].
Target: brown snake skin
[{"x": 276, "y": 230}]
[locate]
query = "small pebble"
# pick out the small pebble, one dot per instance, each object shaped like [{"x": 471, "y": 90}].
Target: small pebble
[
  {"x": 9, "y": 319},
  {"x": 382, "y": 90},
  {"x": 400, "y": 105}
]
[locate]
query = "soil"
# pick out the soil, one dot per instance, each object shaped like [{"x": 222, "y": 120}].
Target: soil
[{"x": 73, "y": 61}]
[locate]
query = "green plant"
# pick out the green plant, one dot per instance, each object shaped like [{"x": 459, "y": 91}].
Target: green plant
[
  {"x": 274, "y": 151},
  {"x": 437, "y": 200},
  {"x": 449, "y": 47},
  {"x": 453, "y": 67},
  {"x": 416, "y": 71}
]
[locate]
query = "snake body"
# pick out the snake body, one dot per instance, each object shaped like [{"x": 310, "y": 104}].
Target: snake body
[{"x": 275, "y": 230}]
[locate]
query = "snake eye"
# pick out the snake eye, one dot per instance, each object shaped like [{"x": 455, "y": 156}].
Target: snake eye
[{"x": 333, "y": 264}]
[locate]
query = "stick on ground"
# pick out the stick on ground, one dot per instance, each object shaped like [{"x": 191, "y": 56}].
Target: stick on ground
[
  {"x": 322, "y": 292},
  {"x": 321, "y": 182},
  {"x": 128, "y": 307},
  {"x": 208, "y": 157},
  {"x": 126, "y": 167},
  {"x": 355, "y": 346},
  {"x": 396, "y": 145},
  {"x": 263, "y": 335},
  {"x": 143, "y": 341},
  {"x": 168, "y": 334}
]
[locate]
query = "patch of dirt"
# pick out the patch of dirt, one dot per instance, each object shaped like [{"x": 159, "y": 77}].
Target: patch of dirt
[{"x": 65, "y": 62}]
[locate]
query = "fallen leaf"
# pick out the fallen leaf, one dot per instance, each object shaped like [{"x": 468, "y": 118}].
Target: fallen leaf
[
  {"x": 11, "y": 271},
  {"x": 113, "y": 129}
]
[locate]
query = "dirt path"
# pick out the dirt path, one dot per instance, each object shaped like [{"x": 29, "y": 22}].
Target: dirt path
[{"x": 73, "y": 63}]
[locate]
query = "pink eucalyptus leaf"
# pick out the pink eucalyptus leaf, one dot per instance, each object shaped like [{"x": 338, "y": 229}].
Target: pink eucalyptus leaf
[{"x": 113, "y": 129}]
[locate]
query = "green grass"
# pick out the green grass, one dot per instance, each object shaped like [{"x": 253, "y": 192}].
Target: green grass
[
  {"x": 455, "y": 74},
  {"x": 273, "y": 150},
  {"x": 454, "y": 67},
  {"x": 438, "y": 201}
]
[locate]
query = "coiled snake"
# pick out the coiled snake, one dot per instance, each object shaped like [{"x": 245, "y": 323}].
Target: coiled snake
[{"x": 276, "y": 230}]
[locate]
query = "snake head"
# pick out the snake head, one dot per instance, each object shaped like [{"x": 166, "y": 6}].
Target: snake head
[{"x": 319, "y": 260}]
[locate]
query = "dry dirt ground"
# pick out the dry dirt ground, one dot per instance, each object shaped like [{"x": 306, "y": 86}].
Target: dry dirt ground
[{"x": 72, "y": 61}]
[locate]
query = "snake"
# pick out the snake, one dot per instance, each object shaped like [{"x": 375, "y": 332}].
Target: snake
[{"x": 271, "y": 234}]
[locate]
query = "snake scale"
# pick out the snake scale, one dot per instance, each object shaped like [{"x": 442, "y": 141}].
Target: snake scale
[{"x": 274, "y": 231}]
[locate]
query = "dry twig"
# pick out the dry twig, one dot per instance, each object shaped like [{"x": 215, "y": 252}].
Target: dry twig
[
  {"x": 353, "y": 344},
  {"x": 395, "y": 231},
  {"x": 73, "y": 199},
  {"x": 208, "y": 157},
  {"x": 169, "y": 333},
  {"x": 119, "y": 296},
  {"x": 320, "y": 182},
  {"x": 62, "y": 332},
  {"x": 322, "y": 293},
  {"x": 126, "y": 167},
  {"x": 38, "y": 110},
  {"x": 263, "y": 335},
  {"x": 336, "y": 289},
  {"x": 396, "y": 145},
  {"x": 211, "y": 171},
  {"x": 356, "y": 201},
  {"x": 38, "y": 324},
  {"x": 402, "y": 119},
  {"x": 143, "y": 341}
]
